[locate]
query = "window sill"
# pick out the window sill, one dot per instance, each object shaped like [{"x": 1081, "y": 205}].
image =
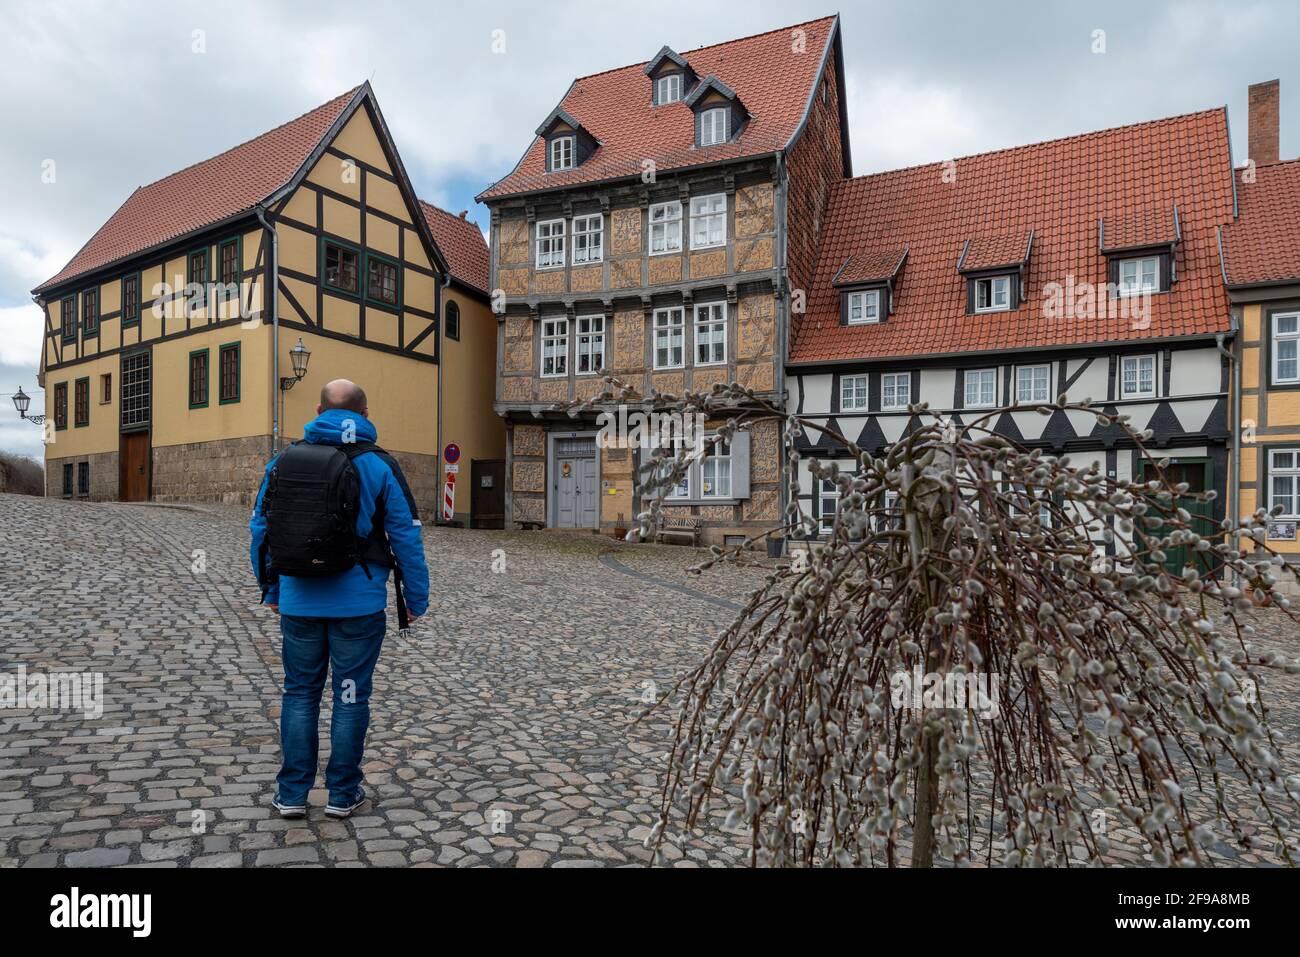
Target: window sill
[
  {"x": 862, "y": 322},
  {"x": 704, "y": 249},
  {"x": 589, "y": 262},
  {"x": 548, "y": 268},
  {"x": 1137, "y": 398},
  {"x": 666, "y": 252},
  {"x": 681, "y": 502}
]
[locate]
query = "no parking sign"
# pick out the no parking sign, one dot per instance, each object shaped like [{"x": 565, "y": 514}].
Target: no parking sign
[{"x": 451, "y": 455}]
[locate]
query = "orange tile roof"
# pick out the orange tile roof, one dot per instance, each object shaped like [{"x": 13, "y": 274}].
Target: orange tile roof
[
  {"x": 875, "y": 265},
  {"x": 206, "y": 193},
  {"x": 772, "y": 80},
  {"x": 462, "y": 245},
  {"x": 1261, "y": 246},
  {"x": 1058, "y": 189},
  {"x": 986, "y": 252},
  {"x": 1147, "y": 226}
]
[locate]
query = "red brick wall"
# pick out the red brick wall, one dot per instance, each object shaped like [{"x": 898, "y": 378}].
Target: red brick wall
[
  {"x": 1262, "y": 133},
  {"x": 814, "y": 164}
]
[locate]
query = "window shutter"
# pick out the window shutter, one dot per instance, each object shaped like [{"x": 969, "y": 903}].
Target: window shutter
[
  {"x": 1013, "y": 292},
  {"x": 1112, "y": 271},
  {"x": 1166, "y": 272},
  {"x": 970, "y": 296},
  {"x": 740, "y": 465}
]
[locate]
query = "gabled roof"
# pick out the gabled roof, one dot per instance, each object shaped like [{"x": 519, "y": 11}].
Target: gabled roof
[
  {"x": 774, "y": 82},
  {"x": 870, "y": 266},
  {"x": 710, "y": 82},
  {"x": 665, "y": 53},
  {"x": 1262, "y": 246},
  {"x": 1058, "y": 190},
  {"x": 557, "y": 116},
  {"x": 206, "y": 193},
  {"x": 991, "y": 252},
  {"x": 462, "y": 243}
]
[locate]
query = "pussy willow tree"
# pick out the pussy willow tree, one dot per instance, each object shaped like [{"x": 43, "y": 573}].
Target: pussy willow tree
[{"x": 1117, "y": 692}]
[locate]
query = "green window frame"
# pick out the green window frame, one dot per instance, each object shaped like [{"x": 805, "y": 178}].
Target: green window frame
[
  {"x": 358, "y": 278},
  {"x": 199, "y": 387},
  {"x": 364, "y": 258},
  {"x": 379, "y": 302},
  {"x": 228, "y": 373},
  {"x": 237, "y": 244},
  {"x": 60, "y": 406},
  {"x": 203, "y": 279},
  {"x": 81, "y": 402},
  {"x": 90, "y": 312},
  {"x": 130, "y": 300},
  {"x": 68, "y": 318}
]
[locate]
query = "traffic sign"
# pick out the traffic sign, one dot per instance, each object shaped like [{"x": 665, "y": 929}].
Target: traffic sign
[{"x": 451, "y": 453}]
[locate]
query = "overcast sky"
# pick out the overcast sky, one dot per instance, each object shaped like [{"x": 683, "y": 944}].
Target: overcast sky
[{"x": 116, "y": 95}]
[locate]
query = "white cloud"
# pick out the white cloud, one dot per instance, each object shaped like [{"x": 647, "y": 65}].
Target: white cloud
[
  {"x": 909, "y": 123},
  {"x": 21, "y": 329}
]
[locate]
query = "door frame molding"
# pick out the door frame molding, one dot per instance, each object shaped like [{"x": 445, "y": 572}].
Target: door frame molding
[{"x": 551, "y": 474}]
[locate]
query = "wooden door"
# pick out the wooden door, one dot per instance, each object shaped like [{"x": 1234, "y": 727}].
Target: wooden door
[
  {"x": 133, "y": 467},
  {"x": 487, "y": 495},
  {"x": 1197, "y": 473}
]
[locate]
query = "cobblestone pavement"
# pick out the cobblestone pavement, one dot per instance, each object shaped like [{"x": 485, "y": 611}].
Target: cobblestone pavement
[{"x": 502, "y": 725}]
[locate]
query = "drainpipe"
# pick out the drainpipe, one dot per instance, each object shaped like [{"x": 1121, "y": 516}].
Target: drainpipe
[
  {"x": 274, "y": 299},
  {"x": 442, "y": 361},
  {"x": 783, "y": 328},
  {"x": 1234, "y": 463}
]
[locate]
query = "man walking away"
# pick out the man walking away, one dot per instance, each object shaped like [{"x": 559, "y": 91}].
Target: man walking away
[{"x": 333, "y": 515}]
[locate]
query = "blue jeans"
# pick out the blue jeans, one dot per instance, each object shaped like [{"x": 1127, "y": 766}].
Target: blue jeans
[{"x": 311, "y": 645}]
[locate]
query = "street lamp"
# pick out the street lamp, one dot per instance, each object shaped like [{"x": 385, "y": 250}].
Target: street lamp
[
  {"x": 299, "y": 355},
  {"x": 21, "y": 402}
]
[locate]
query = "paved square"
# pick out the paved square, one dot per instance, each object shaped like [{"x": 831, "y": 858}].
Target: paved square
[{"x": 502, "y": 726}]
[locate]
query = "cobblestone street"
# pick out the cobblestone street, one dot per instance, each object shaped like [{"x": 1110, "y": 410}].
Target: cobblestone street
[
  {"x": 502, "y": 725},
  {"x": 508, "y": 708}
]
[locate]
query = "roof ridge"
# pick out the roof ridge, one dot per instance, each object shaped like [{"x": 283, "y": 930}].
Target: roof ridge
[
  {"x": 319, "y": 106},
  {"x": 449, "y": 213},
  {"x": 711, "y": 46},
  {"x": 1049, "y": 142}
]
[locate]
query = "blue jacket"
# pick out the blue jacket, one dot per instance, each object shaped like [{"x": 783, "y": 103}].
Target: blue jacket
[{"x": 352, "y": 593}]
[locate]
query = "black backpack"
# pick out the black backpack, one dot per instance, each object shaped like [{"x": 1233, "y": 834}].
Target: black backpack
[{"x": 312, "y": 498}]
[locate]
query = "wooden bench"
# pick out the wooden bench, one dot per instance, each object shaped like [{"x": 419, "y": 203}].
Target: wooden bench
[{"x": 678, "y": 531}]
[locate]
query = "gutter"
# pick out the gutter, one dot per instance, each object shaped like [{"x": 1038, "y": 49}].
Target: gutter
[
  {"x": 442, "y": 372},
  {"x": 1234, "y": 462},
  {"x": 783, "y": 322},
  {"x": 274, "y": 294}
]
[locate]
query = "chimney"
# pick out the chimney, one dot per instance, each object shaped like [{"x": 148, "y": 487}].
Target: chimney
[{"x": 1262, "y": 131}]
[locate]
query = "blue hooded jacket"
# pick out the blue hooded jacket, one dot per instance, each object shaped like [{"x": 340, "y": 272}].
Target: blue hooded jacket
[{"x": 352, "y": 593}]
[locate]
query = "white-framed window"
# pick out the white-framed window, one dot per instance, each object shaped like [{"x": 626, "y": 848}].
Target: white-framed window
[
  {"x": 1286, "y": 347},
  {"x": 715, "y": 470},
  {"x": 670, "y": 337},
  {"x": 890, "y": 517},
  {"x": 715, "y": 126},
  {"x": 981, "y": 388},
  {"x": 1137, "y": 276},
  {"x": 829, "y": 504},
  {"x": 671, "y": 449},
  {"x": 555, "y": 347},
  {"x": 993, "y": 294},
  {"x": 590, "y": 357},
  {"x": 562, "y": 152},
  {"x": 708, "y": 221},
  {"x": 895, "y": 390},
  {"x": 853, "y": 393},
  {"x": 669, "y": 88},
  {"x": 1033, "y": 383},
  {"x": 862, "y": 307},
  {"x": 550, "y": 244},
  {"x": 588, "y": 238},
  {"x": 665, "y": 228},
  {"x": 710, "y": 333},
  {"x": 1284, "y": 481},
  {"x": 1137, "y": 378}
]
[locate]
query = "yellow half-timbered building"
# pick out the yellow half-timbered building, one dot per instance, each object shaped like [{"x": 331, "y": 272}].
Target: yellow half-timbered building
[{"x": 171, "y": 375}]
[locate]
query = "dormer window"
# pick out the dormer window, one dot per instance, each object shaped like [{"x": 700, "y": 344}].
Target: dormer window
[
  {"x": 562, "y": 150},
  {"x": 993, "y": 294},
  {"x": 1138, "y": 276},
  {"x": 713, "y": 126},
  {"x": 862, "y": 307},
  {"x": 668, "y": 89}
]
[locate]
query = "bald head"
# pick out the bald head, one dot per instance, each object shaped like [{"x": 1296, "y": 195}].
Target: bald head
[{"x": 343, "y": 394}]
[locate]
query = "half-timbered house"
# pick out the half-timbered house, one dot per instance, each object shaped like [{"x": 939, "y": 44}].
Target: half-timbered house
[
  {"x": 168, "y": 369},
  {"x": 1085, "y": 266}
]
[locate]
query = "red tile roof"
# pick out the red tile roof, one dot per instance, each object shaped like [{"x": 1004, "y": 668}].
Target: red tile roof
[
  {"x": 462, "y": 245},
  {"x": 1058, "y": 189},
  {"x": 986, "y": 252},
  {"x": 1261, "y": 246},
  {"x": 771, "y": 79},
  {"x": 870, "y": 266},
  {"x": 206, "y": 193}
]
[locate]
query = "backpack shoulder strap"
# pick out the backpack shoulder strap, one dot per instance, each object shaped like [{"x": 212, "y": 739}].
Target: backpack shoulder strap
[{"x": 354, "y": 449}]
